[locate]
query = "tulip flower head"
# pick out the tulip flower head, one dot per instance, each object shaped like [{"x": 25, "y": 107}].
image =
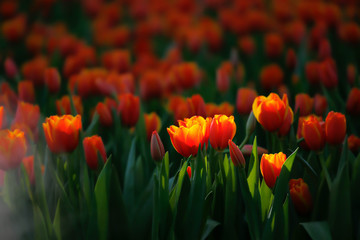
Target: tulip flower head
[
  {"x": 92, "y": 147},
  {"x": 236, "y": 155},
  {"x": 152, "y": 123},
  {"x": 156, "y": 147},
  {"x": 222, "y": 129},
  {"x": 13, "y": 148},
  {"x": 313, "y": 132},
  {"x": 300, "y": 196},
  {"x": 62, "y": 133},
  {"x": 270, "y": 167},
  {"x": 335, "y": 128}
]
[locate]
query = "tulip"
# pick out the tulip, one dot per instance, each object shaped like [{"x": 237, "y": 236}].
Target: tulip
[
  {"x": 186, "y": 74},
  {"x": 236, "y": 155},
  {"x": 29, "y": 167},
  {"x": 63, "y": 106},
  {"x": 320, "y": 104},
  {"x": 272, "y": 112},
  {"x": 196, "y": 105},
  {"x": 324, "y": 49},
  {"x": 188, "y": 170},
  {"x": 244, "y": 100},
  {"x": 156, "y": 147},
  {"x": 247, "y": 150},
  {"x": 152, "y": 123},
  {"x": 222, "y": 129},
  {"x": 270, "y": 167},
  {"x": 12, "y": 148},
  {"x": 291, "y": 59},
  {"x": 247, "y": 45},
  {"x": 1, "y": 116},
  {"x": 353, "y": 143},
  {"x": 33, "y": 70},
  {"x": 335, "y": 128},
  {"x": 191, "y": 133},
  {"x": 271, "y": 77},
  {"x": 351, "y": 74},
  {"x": 312, "y": 72},
  {"x": 116, "y": 60},
  {"x": 26, "y": 91},
  {"x": 105, "y": 114},
  {"x": 62, "y": 133},
  {"x": 328, "y": 73},
  {"x": 353, "y": 102},
  {"x": 303, "y": 103},
  {"x": 52, "y": 80},
  {"x": 300, "y": 196},
  {"x": 222, "y": 79},
  {"x": 10, "y": 67},
  {"x": 314, "y": 133},
  {"x": 273, "y": 45},
  {"x": 92, "y": 147},
  {"x": 288, "y": 120},
  {"x": 129, "y": 109},
  {"x": 151, "y": 85},
  {"x": 27, "y": 114},
  {"x": 224, "y": 108}
]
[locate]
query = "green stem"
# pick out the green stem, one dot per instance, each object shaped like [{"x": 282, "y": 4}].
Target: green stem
[
  {"x": 242, "y": 144},
  {"x": 324, "y": 168}
]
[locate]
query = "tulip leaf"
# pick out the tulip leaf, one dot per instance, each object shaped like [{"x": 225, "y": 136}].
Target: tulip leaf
[
  {"x": 57, "y": 221},
  {"x": 40, "y": 226},
  {"x": 317, "y": 230},
  {"x": 209, "y": 227},
  {"x": 230, "y": 202},
  {"x": 129, "y": 181},
  {"x": 174, "y": 198},
  {"x": 280, "y": 191},
  {"x": 254, "y": 172},
  {"x": 266, "y": 197},
  {"x": 102, "y": 199}
]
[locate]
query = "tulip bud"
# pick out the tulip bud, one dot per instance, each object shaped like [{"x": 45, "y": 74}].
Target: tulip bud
[
  {"x": 52, "y": 79},
  {"x": 236, "y": 155},
  {"x": 222, "y": 80},
  {"x": 250, "y": 124},
  {"x": 247, "y": 150},
  {"x": 300, "y": 196},
  {"x": 328, "y": 73},
  {"x": 188, "y": 170},
  {"x": 105, "y": 115},
  {"x": 156, "y": 147},
  {"x": 353, "y": 102},
  {"x": 92, "y": 146},
  {"x": 11, "y": 69},
  {"x": 26, "y": 91},
  {"x": 244, "y": 100},
  {"x": 324, "y": 49},
  {"x": 335, "y": 128}
]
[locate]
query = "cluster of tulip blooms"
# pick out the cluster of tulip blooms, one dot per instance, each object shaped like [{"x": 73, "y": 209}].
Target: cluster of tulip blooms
[{"x": 228, "y": 118}]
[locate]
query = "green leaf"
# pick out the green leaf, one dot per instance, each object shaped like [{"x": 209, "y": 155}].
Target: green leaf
[
  {"x": 129, "y": 181},
  {"x": 266, "y": 197},
  {"x": 209, "y": 227},
  {"x": 229, "y": 231},
  {"x": 254, "y": 172},
  {"x": 102, "y": 199},
  {"x": 57, "y": 221},
  {"x": 40, "y": 226},
  {"x": 317, "y": 230}
]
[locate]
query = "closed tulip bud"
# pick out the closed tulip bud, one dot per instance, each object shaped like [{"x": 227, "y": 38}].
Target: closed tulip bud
[
  {"x": 353, "y": 102},
  {"x": 250, "y": 124},
  {"x": 62, "y": 133},
  {"x": 304, "y": 104},
  {"x": 156, "y": 147},
  {"x": 270, "y": 167},
  {"x": 222, "y": 129},
  {"x": 328, "y": 73},
  {"x": 10, "y": 67},
  {"x": 320, "y": 104},
  {"x": 300, "y": 196},
  {"x": 26, "y": 91},
  {"x": 313, "y": 132},
  {"x": 188, "y": 170},
  {"x": 351, "y": 74},
  {"x": 105, "y": 114},
  {"x": 244, "y": 100},
  {"x": 94, "y": 146},
  {"x": 129, "y": 109},
  {"x": 13, "y": 148},
  {"x": 291, "y": 59},
  {"x": 271, "y": 77},
  {"x": 353, "y": 143},
  {"x": 152, "y": 123},
  {"x": 324, "y": 49},
  {"x": 52, "y": 80},
  {"x": 236, "y": 155},
  {"x": 222, "y": 80},
  {"x": 335, "y": 128}
]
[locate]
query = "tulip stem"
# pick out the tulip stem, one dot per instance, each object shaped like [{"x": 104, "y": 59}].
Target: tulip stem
[
  {"x": 326, "y": 173},
  {"x": 242, "y": 144}
]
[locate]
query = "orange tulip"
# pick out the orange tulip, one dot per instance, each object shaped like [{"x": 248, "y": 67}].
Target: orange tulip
[
  {"x": 271, "y": 77},
  {"x": 328, "y": 73},
  {"x": 225, "y": 108},
  {"x": 303, "y": 104},
  {"x": 63, "y": 106},
  {"x": 272, "y": 112},
  {"x": 26, "y": 91},
  {"x": 300, "y": 196},
  {"x": 105, "y": 114},
  {"x": 156, "y": 147},
  {"x": 353, "y": 102},
  {"x": 27, "y": 114},
  {"x": 320, "y": 104},
  {"x": 152, "y": 123},
  {"x": 52, "y": 80},
  {"x": 12, "y": 148},
  {"x": 314, "y": 133},
  {"x": 236, "y": 155},
  {"x": 335, "y": 128},
  {"x": 1, "y": 116},
  {"x": 62, "y": 133},
  {"x": 191, "y": 133},
  {"x": 92, "y": 147},
  {"x": 270, "y": 167},
  {"x": 244, "y": 100},
  {"x": 222, "y": 129},
  {"x": 129, "y": 109}
]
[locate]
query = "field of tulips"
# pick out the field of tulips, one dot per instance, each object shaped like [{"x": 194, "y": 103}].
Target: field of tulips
[{"x": 179, "y": 119}]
